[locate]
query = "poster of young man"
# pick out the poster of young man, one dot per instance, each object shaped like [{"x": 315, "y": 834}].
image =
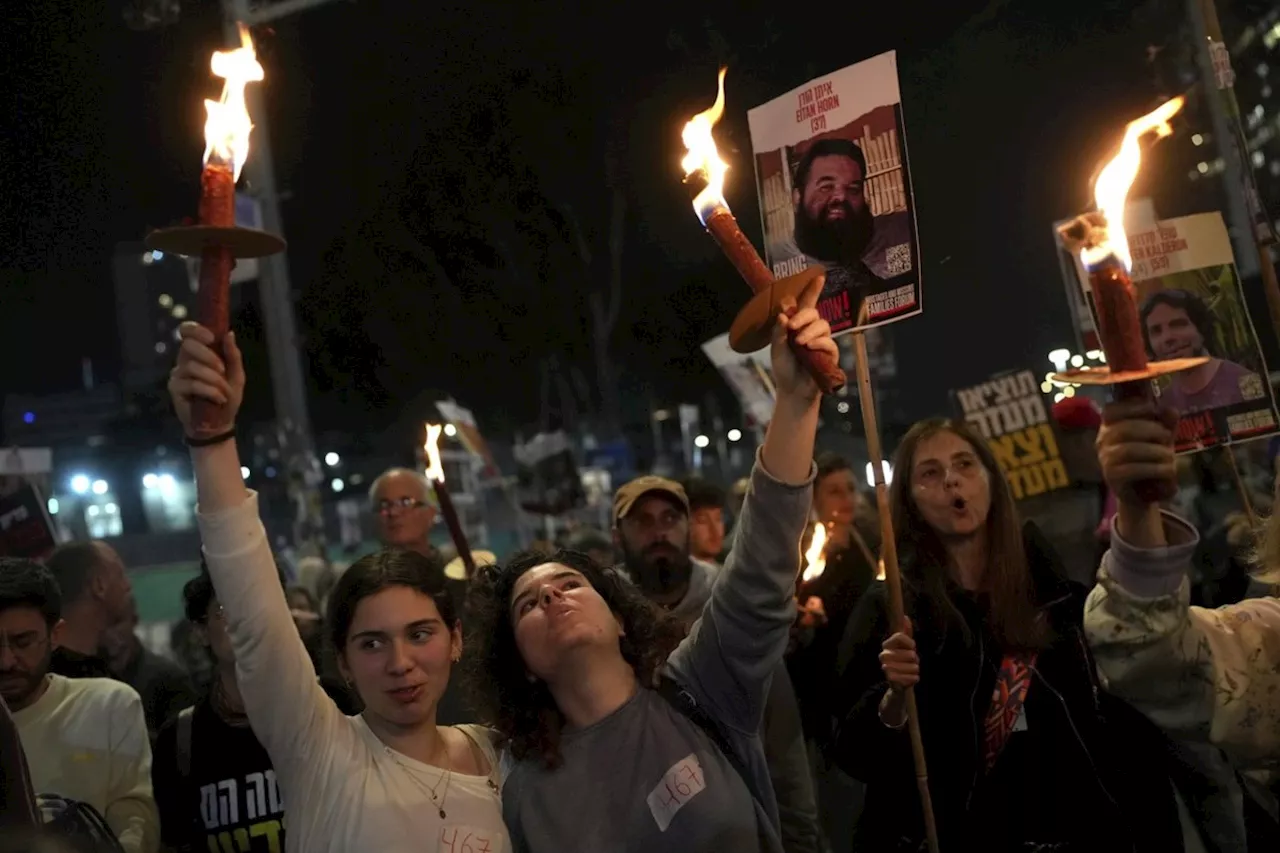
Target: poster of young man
[
  {"x": 1010, "y": 412},
  {"x": 1191, "y": 304},
  {"x": 750, "y": 377},
  {"x": 835, "y": 191}
]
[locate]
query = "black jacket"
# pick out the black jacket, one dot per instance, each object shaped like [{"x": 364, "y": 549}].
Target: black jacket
[{"x": 1088, "y": 774}]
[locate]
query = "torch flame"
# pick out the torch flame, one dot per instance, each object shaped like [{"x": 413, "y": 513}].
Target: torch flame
[
  {"x": 1112, "y": 186},
  {"x": 227, "y": 125},
  {"x": 435, "y": 468},
  {"x": 814, "y": 560},
  {"x": 703, "y": 157}
]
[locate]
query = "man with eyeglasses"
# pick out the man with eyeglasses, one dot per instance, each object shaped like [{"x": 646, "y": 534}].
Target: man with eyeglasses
[
  {"x": 399, "y": 498},
  {"x": 85, "y": 738}
]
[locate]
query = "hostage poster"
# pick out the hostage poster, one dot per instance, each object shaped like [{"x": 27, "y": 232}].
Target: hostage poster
[
  {"x": 835, "y": 191},
  {"x": 750, "y": 377},
  {"x": 1009, "y": 411},
  {"x": 1190, "y": 304}
]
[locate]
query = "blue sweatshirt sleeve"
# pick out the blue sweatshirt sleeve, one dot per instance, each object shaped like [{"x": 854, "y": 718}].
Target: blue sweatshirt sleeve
[{"x": 731, "y": 651}]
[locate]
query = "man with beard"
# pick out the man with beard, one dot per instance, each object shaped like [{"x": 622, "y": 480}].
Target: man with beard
[
  {"x": 834, "y": 225},
  {"x": 1177, "y": 324},
  {"x": 651, "y": 530},
  {"x": 85, "y": 739}
]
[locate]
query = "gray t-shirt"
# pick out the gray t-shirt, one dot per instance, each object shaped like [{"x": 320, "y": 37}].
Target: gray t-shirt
[
  {"x": 646, "y": 778},
  {"x": 643, "y": 779}
]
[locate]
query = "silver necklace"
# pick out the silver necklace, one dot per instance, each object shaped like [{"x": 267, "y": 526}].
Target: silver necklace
[
  {"x": 430, "y": 790},
  {"x": 446, "y": 776}
]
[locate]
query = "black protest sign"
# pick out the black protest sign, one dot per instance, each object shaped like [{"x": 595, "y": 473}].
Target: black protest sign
[
  {"x": 1009, "y": 411},
  {"x": 25, "y": 528}
]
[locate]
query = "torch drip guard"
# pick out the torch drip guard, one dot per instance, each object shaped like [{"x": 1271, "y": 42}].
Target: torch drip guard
[
  {"x": 193, "y": 240},
  {"x": 752, "y": 329},
  {"x": 1107, "y": 376}
]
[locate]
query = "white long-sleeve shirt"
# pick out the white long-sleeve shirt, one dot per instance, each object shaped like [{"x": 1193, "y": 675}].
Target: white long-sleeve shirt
[
  {"x": 86, "y": 739},
  {"x": 344, "y": 790}
]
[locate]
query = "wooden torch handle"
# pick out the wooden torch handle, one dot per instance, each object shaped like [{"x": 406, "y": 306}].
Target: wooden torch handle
[{"x": 822, "y": 366}]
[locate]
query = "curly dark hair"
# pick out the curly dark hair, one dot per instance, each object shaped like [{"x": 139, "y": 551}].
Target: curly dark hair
[
  {"x": 1191, "y": 305},
  {"x": 503, "y": 694}
]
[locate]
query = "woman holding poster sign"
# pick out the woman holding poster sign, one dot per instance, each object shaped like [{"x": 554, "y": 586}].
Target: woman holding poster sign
[{"x": 1025, "y": 751}]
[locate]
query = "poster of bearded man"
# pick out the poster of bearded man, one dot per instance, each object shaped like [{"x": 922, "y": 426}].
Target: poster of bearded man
[{"x": 835, "y": 191}]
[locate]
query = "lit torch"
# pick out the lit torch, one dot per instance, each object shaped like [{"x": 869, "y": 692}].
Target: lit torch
[
  {"x": 217, "y": 241},
  {"x": 226, "y": 148},
  {"x": 435, "y": 473},
  {"x": 815, "y": 559},
  {"x": 1100, "y": 239},
  {"x": 704, "y": 175}
]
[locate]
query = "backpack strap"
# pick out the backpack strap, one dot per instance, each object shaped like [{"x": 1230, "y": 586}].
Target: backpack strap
[
  {"x": 682, "y": 700},
  {"x": 182, "y": 744}
]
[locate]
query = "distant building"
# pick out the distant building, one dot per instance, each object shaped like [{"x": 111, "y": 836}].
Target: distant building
[
  {"x": 153, "y": 296},
  {"x": 69, "y": 419}
]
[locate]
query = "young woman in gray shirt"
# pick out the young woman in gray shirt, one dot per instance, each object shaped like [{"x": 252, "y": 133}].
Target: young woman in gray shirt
[{"x": 567, "y": 657}]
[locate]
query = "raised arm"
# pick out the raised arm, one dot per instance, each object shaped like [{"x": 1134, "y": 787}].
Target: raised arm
[
  {"x": 732, "y": 650},
  {"x": 289, "y": 711},
  {"x": 1207, "y": 674}
]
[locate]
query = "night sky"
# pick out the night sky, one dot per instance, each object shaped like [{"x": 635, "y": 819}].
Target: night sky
[{"x": 433, "y": 154}]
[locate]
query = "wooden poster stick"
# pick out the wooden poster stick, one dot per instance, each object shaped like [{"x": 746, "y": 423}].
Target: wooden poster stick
[
  {"x": 892, "y": 577},
  {"x": 1240, "y": 487}
]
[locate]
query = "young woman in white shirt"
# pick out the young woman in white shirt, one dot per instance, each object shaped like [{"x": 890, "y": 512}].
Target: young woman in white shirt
[{"x": 388, "y": 779}]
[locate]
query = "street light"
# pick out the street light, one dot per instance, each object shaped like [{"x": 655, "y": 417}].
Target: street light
[
  {"x": 332, "y": 459},
  {"x": 79, "y": 484},
  {"x": 450, "y": 430},
  {"x": 100, "y": 487},
  {"x": 337, "y": 485},
  {"x": 701, "y": 441},
  {"x": 735, "y": 435},
  {"x": 150, "y": 481},
  {"x": 244, "y": 472}
]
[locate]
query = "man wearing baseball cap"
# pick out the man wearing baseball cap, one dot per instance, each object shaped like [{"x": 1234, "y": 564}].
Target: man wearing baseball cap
[{"x": 651, "y": 530}]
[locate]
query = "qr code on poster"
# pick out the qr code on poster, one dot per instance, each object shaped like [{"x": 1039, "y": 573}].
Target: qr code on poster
[
  {"x": 897, "y": 259},
  {"x": 1251, "y": 387}
]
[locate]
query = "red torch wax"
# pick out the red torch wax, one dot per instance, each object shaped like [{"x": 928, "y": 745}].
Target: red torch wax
[
  {"x": 1120, "y": 331},
  {"x": 218, "y": 209},
  {"x": 724, "y": 229},
  {"x": 456, "y": 533}
]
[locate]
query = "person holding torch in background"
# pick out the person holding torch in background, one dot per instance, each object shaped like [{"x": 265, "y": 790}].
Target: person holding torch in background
[{"x": 1026, "y": 752}]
